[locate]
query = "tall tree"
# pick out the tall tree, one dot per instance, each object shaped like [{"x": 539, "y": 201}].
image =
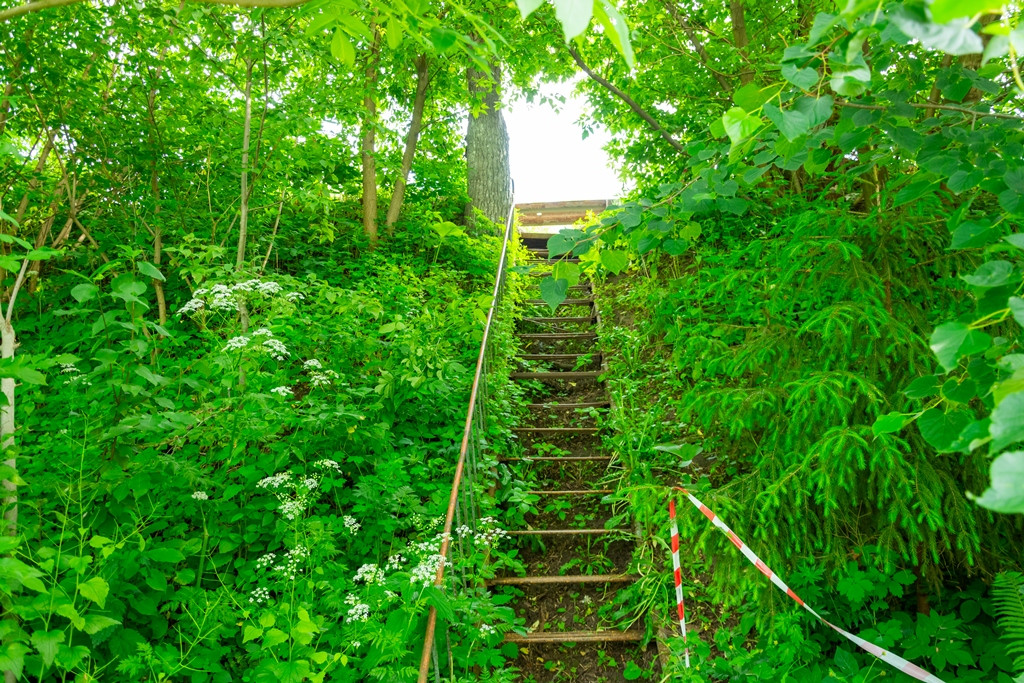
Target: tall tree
[{"x": 489, "y": 178}]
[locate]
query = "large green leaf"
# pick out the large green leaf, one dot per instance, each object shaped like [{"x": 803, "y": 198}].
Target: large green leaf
[
  {"x": 739, "y": 125},
  {"x": 615, "y": 260},
  {"x": 952, "y": 341},
  {"x": 990, "y": 274},
  {"x": 1007, "y": 422},
  {"x": 954, "y": 37},
  {"x": 563, "y": 242},
  {"x": 616, "y": 29},
  {"x": 943, "y": 11},
  {"x": 805, "y": 79},
  {"x": 48, "y": 642},
  {"x": 527, "y": 7},
  {"x": 886, "y": 424},
  {"x": 564, "y": 270},
  {"x": 95, "y": 589},
  {"x": 1006, "y": 490},
  {"x": 574, "y": 15},
  {"x": 940, "y": 429},
  {"x": 553, "y": 291}
]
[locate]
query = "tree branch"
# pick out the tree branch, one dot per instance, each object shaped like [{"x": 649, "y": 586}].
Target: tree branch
[
  {"x": 629, "y": 101},
  {"x": 929, "y": 105},
  {"x": 698, "y": 46}
]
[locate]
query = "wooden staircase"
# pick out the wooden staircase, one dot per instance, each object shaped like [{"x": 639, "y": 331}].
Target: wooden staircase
[{"x": 574, "y": 564}]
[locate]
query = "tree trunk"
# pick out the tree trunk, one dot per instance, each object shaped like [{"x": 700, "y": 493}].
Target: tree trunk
[
  {"x": 411, "y": 140},
  {"x": 489, "y": 178},
  {"x": 7, "y": 443},
  {"x": 368, "y": 147},
  {"x": 243, "y": 218},
  {"x": 739, "y": 37}
]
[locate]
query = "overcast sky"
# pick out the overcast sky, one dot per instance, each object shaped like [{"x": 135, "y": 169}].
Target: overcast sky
[{"x": 550, "y": 159}]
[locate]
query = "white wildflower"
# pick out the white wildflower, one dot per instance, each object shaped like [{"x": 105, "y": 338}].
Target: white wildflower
[
  {"x": 191, "y": 306},
  {"x": 395, "y": 562},
  {"x": 239, "y": 342},
  {"x": 369, "y": 573},
  {"x": 487, "y": 630},
  {"x": 312, "y": 364},
  {"x": 259, "y": 596},
  {"x": 69, "y": 369},
  {"x": 351, "y": 524},
  {"x": 266, "y": 560},
  {"x": 356, "y": 644},
  {"x": 426, "y": 571},
  {"x": 359, "y": 612},
  {"x": 295, "y": 296},
  {"x": 201, "y": 495},
  {"x": 327, "y": 464},
  {"x": 275, "y": 481},
  {"x": 283, "y": 392},
  {"x": 263, "y": 332},
  {"x": 310, "y": 483},
  {"x": 276, "y": 348}
]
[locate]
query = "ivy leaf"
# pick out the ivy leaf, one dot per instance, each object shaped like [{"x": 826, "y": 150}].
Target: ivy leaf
[
  {"x": 887, "y": 424},
  {"x": 941, "y": 429},
  {"x": 574, "y": 15},
  {"x": 95, "y": 589},
  {"x": 805, "y": 79},
  {"x": 1007, "y": 422},
  {"x": 570, "y": 272},
  {"x": 615, "y": 260},
  {"x": 563, "y": 242},
  {"x": 990, "y": 274},
  {"x": 1006, "y": 490},
  {"x": 553, "y": 291},
  {"x": 739, "y": 125},
  {"x": 47, "y": 642}
]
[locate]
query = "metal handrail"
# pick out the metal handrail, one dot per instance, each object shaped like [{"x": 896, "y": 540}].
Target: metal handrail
[{"x": 476, "y": 414}]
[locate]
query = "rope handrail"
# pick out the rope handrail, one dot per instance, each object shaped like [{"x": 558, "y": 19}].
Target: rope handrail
[{"x": 467, "y": 435}]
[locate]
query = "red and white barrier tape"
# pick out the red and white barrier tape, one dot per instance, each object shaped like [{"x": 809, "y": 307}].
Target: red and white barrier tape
[
  {"x": 680, "y": 608},
  {"x": 886, "y": 656}
]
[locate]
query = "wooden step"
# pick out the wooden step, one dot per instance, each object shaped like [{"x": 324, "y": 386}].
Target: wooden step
[
  {"x": 575, "y": 637},
  {"x": 585, "y": 492},
  {"x": 575, "y": 319},
  {"x": 566, "y": 302},
  {"x": 552, "y": 260},
  {"x": 556, "y": 335},
  {"x": 572, "y": 578},
  {"x": 569, "y": 406},
  {"x": 557, "y": 356},
  {"x": 553, "y": 458},
  {"x": 555, "y": 430},
  {"x": 563, "y": 532},
  {"x": 582, "y": 374}
]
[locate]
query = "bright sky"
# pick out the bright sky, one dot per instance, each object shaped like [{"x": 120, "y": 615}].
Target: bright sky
[{"x": 550, "y": 159}]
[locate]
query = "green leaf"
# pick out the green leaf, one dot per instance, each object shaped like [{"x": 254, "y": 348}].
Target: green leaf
[
  {"x": 95, "y": 589},
  {"x": 94, "y": 623},
  {"x": 564, "y": 270},
  {"x": 341, "y": 48},
  {"x": 1016, "y": 239},
  {"x": 739, "y": 125},
  {"x": 943, "y": 11},
  {"x": 805, "y": 79},
  {"x": 791, "y": 123},
  {"x": 615, "y": 260},
  {"x": 563, "y": 242},
  {"x": 167, "y": 555},
  {"x": 1006, "y": 490},
  {"x": 443, "y": 39},
  {"x": 147, "y": 268},
  {"x": 1007, "y": 422},
  {"x": 941, "y": 429},
  {"x": 527, "y": 7},
  {"x": 12, "y": 658},
  {"x": 553, "y": 291},
  {"x": 47, "y": 642},
  {"x": 84, "y": 292},
  {"x": 922, "y": 387},
  {"x": 251, "y": 632},
  {"x": 952, "y": 341},
  {"x": 616, "y": 29},
  {"x": 954, "y": 37},
  {"x": 887, "y": 424},
  {"x": 675, "y": 247},
  {"x": 969, "y": 235},
  {"x": 990, "y": 274},
  {"x": 852, "y": 82},
  {"x": 574, "y": 15},
  {"x": 1016, "y": 305},
  {"x": 395, "y": 33},
  {"x": 751, "y": 97},
  {"x": 632, "y": 672}
]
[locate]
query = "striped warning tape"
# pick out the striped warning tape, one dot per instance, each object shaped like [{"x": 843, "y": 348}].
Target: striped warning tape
[
  {"x": 886, "y": 656},
  {"x": 680, "y": 608}
]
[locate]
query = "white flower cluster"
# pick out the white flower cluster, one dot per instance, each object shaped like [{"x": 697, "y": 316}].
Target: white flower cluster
[
  {"x": 356, "y": 645},
  {"x": 200, "y": 495},
  {"x": 283, "y": 392},
  {"x": 490, "y": 533},
  {"x": 370, "y": 574},
  {"x": 292, "y": 561},
  {"x": 266, "y": 560},
  {"x": 327, "y": 464},
  {"x": 276, "y": 349},
  {"x": 358, "y": 611},
  {"x": 69, "y": 369},
  {"x": 295, "y": 296},
  {"x": 235, "y": 343},
  {"x": 426, "y": 571},
  {"x": 395, "y": 562},
  {"x": 259, "y": 596},
  {"x": 318, "y": 377},
  {"x": 294, "y": 496},
  {"x": 351, "y": 524},
  {"x": 487, "y": 630},
  {"x": 222, "y": 297}
]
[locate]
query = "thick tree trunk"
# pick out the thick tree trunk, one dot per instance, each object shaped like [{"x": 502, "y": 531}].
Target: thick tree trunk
[
  {"x": 738, "y": 18},
  {"x": 368, "y": 147},
  {"x": 243, "y": 217},
  {"x": 411, "y": 140},
  {"x": 489, "y": 178}
]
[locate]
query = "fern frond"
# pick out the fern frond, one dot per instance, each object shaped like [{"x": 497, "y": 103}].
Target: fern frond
[{"x": 1008, "y": 595}]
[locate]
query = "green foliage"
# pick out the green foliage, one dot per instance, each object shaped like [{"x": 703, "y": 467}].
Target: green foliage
[{"x": 1008, "y": 595}]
